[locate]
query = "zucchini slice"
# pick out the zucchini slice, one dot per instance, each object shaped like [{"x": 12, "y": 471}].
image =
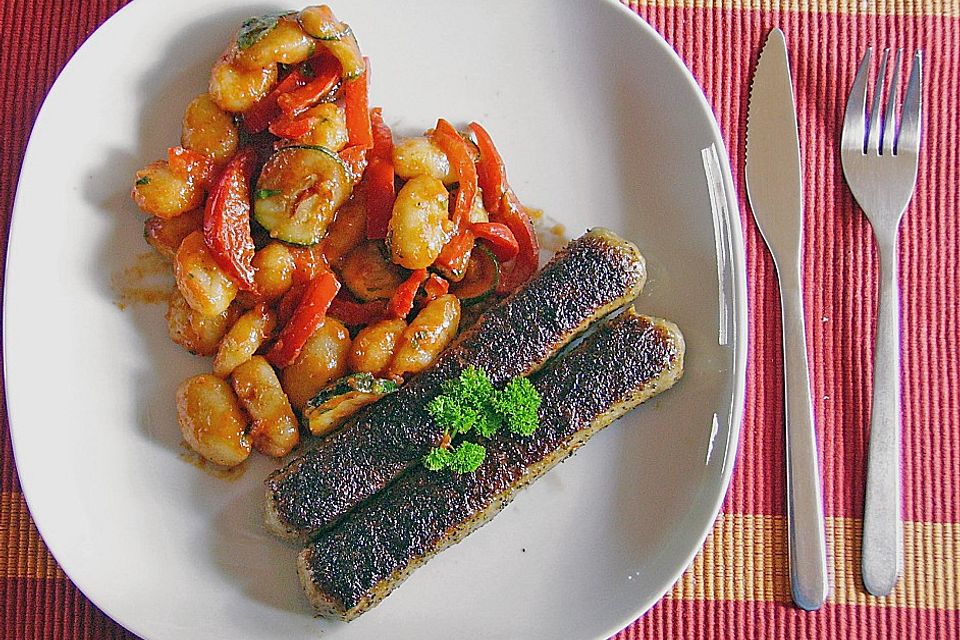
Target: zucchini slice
[
  {"x": 347, "y": 51},
  {"x": 481, "y": 278},
  {"x": 341, "y": 399},
  {"x": 299, "y": 191},
  {"x": 368, "y": 273}
]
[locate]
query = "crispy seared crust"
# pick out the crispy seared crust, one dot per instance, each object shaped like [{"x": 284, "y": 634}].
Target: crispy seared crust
[
  {"x": 591, "y": 277},
  {"x": 353, "y": 566}
]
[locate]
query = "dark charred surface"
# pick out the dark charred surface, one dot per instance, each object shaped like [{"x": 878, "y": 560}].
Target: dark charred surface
[
  {"x": 368, "y": 553},
  {"x": 592, "y": 276}
]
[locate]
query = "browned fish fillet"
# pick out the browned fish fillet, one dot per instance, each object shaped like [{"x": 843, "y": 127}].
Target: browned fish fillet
[
  {"x": 592, "y": 276},
  {"x": 352, "y": 567}
]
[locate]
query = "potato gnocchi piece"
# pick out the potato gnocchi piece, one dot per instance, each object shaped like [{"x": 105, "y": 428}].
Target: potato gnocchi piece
[
  {"x": 207, "y": 288},
  {"x": 211, "y": 420},
  {"x": 374, "y": 346},
  {"x": 243, "y": 339},
  {"x": 273, "y": 270},
  {"x": 285, "y": 43},
  {"x": 236, "y": 89},
  {"x": 209, "y": 130},
  {"x": 195, "y": 332},
  {"x": 420, "y": 224},
  {"x": 275, "y": 431},
  {"x": 427, "y": 335},
  {"x": 166, "y": 234},
  {"x": 420, "y": 156},
  {"x": 160, "y": 192},
  {"x": 330, "y": 130},
  {"x": 322, "y": 359}
]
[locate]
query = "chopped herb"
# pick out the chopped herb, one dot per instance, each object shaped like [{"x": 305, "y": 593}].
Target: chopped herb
[
  {"x": 142, "y": 181},
  {"x": 266, "y": 193},
  {"x": 253, "y": 29},
  {"x": 518, "y": 404}
]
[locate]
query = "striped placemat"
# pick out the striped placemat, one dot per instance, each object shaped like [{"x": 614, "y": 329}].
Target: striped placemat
[{"x": 738, "y": 586}]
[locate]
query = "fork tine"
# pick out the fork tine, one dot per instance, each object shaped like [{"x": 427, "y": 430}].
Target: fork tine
[
  {"x": 890, "y": 112},
  {"x": 854, "y": 118},
  {"x": 873, "y": 142},
  {"x": 909, "y": 138}
]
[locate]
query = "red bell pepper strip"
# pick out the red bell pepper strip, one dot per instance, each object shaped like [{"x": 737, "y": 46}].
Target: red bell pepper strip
[
  {"x": 355, "y": 157},
  {"x": 512, "y": 213},
  {"x": 455, "y": 254},
  {"x": 380, "y": 192},
  {"x": 326, "y": 79},
  {"x": 357, "y": 107},
  {"x": 191, "y": 165},
  {"x": 293, "y": 128},
  {"x": 226, "y": 219},
  {"x": 354, "y": 314},
  {"x": 382, "y": 137},
  {"x": 461, "y": 161},
  {"x": 309, "y": 314},
  {"x": 500, "y": 238},
  {"x": 308, "y": 261},
  {"x": 402, "y": 301},
  {"x": 266, "y": 110},
  {"x": 492, "y": 175},
  {"x": 379, "y": 188},
  {"x": 434, "y": 287}
]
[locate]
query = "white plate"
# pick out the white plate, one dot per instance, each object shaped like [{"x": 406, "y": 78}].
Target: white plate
[{"x": 600, "y": 124}]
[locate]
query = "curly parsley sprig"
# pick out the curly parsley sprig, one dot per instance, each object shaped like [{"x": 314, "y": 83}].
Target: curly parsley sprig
[{"x": 471, "y": 403}]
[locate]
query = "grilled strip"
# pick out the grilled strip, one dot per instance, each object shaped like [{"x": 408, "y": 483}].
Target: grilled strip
[
  {"x": 353, "y": 566},
  {"x": 592, "y": 276}
]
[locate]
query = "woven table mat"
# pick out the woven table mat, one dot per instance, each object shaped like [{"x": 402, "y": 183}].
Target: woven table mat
[{"x": 738, "y": 586}]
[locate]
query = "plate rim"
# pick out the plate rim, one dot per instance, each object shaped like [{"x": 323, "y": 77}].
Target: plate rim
[{"x": 739, "y": 299}]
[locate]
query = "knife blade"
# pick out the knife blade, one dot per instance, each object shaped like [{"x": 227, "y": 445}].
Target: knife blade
[{"x": 774, "y": 180}]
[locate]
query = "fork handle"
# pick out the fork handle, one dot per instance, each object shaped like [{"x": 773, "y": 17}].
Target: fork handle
[
  {"x": 882, "y": 533},
  {"x": 805, "y": 522}
]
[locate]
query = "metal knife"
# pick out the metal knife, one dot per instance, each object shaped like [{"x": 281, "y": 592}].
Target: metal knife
[{"x": 774, "y": 180}]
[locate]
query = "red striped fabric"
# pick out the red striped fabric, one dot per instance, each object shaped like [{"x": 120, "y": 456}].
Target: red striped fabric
[{"x": 720, "y": 44}]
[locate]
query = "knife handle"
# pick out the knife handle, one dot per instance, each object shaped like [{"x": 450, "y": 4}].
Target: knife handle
[{"x": 805, "y": 522}]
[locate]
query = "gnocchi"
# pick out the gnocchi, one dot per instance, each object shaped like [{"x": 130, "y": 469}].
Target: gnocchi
[
  {"x": 211, "y": 420},
  {"x": 205, "y": 286},
  {"x": 374, "y": 346},
  {"x": 209, "y": 130},
  {"x": 322, "y": 359},
  {"x": 243, "y": 339},
  {"x": 162, "y": 193},
  {"x": 420, "y": 224},
  {"x": 427, "y": 335},
  {"x": 274, "y": 431}
]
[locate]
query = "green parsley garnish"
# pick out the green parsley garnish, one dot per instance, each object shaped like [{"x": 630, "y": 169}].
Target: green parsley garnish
[
  {"x": 467, "y": 457},
  {"x": 518, "y": 404},
  {"x": 142, "y": 181},
  {"x": 266, "y": 193},
  {"x": 471, "y": 403},
  {"x": 437, "y": 458}
]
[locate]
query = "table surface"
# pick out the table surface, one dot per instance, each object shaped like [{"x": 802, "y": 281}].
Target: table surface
[{"x": 738, "y": 585}]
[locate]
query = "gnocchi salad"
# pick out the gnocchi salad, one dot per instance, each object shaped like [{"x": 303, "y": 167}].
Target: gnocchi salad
[{"x": 320, "y": 261}]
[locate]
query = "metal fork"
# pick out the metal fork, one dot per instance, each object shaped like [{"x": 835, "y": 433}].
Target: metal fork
[{"x": 880, "y": 165}]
